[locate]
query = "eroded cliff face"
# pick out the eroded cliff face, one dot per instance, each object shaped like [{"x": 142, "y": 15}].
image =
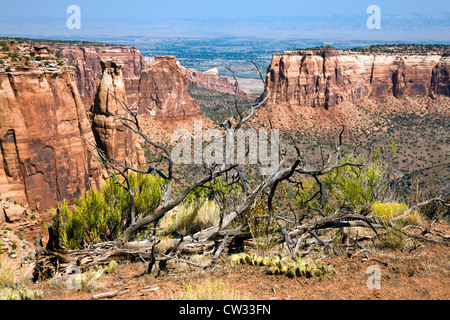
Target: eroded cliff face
[
  {"x": 324, "y": 79},
  {"x": 211, "y": 80},
  {"x": 111, "y": 135},
  {"x": 42, "y": 117},
  {"x": 86, "y": 61},
  {"x": 163, "y": 92}
]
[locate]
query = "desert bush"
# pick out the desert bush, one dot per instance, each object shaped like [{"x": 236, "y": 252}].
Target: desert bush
[
  {"x": 388, "y": 210},
  {"x": 393, "y": 238},
  {"x": 209, "y": 290},
  {"x": 102, "y": 215},
  {"x": 431, "y": 188},
  {"x": 262, "y": 226},
  {"x": 354, "y": 187}
]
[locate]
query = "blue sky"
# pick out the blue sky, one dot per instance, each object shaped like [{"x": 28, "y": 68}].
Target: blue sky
[{"x": 401, "y": 20}]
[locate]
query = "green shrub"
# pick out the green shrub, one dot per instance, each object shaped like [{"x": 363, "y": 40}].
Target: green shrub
[
  {"x": 393, "y": 238},
  {"x": 351, "y": 186},
  {"x": 102, "y": 215}
]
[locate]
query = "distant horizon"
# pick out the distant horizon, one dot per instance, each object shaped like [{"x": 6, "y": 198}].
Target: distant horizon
[{"x": 345, "y": 20}]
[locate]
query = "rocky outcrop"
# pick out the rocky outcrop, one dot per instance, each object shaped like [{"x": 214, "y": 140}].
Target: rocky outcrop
[
  {"x": 132, "y": 90},
  {"x": 211, "y": 80},
  {"x": 42, "y": 158},
  {"x": 325, "y": 78},
  {"x": 163, "y": 92},
  {"x": 440, "y": 80},
  {"x": 111, "y": 135},
  {"x": 86, "y": 61}
]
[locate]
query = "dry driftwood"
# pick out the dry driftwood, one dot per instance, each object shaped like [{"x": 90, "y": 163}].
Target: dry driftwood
[{"x": 108, "y": 295}]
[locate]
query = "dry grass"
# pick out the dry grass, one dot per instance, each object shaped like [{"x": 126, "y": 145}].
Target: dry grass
[
  {"x": 8, "y": 270},
  {"x": 209, "y": 290},
  {"x": 13, "y": 277},
  {"x": 191, "y": 217}
]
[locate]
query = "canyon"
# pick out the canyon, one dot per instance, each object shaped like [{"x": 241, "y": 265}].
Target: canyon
[
  {"x": 55, "y": 102},
  {"x": 47, "y": 104}
]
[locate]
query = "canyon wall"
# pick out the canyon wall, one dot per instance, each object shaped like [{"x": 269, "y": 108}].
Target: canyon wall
[
  {"x": 163, "y": 91},
  {"x": 86, "y": 61},
  {"x": 324, "y": 78},
  {"x": 43, "y": 160}
]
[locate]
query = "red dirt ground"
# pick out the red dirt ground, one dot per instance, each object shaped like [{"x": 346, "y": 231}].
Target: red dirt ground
[{"x": 422, "y": 274}]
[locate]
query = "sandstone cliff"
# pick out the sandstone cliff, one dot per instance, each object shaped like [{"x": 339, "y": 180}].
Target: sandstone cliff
[
  {"x": 42, "y": 116},
  {"x": 211, "y": 80},
  {"x": 111, "y": 135},
  {"x": 163, "y": 91},
  {"x": 325, "y": 78},
  {"x": 86, "y": 61}
]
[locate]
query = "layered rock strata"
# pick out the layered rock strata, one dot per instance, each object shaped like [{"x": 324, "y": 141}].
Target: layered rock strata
[
  {"x": 43, "y": 160},
  {"x": 163, "y": 92},
  {"x": 211, "y": 80},
  {"x": 86, "y": 61},
  {"x": 322, "y": 79}
]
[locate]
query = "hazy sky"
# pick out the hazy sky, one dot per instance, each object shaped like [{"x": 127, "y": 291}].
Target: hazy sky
[{"x": 413, "y": 19}]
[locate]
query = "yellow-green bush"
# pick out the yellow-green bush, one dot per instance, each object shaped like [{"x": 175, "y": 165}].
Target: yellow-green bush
[
  {"x": 357, "y": 188},
  {"x": 387, "y": 211},
  {"x": 102, "y": 215}
]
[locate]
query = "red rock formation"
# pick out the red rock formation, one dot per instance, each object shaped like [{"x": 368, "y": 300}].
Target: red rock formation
[
  {"x": 325, "y": 78},
  {"x": 163, "y": 92},
  {"x": 86, "y": 61},
  {"x": 211, "y": 80},
  {"x": 440, "y": 81},
  {"x": 42, "y": 117},
  {"x": 132, "y": 89},
  {"x": 111, "y": 135}
]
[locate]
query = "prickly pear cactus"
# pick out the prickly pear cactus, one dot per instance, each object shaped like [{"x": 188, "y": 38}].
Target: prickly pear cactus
[{"x": 292, "y": 267}]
